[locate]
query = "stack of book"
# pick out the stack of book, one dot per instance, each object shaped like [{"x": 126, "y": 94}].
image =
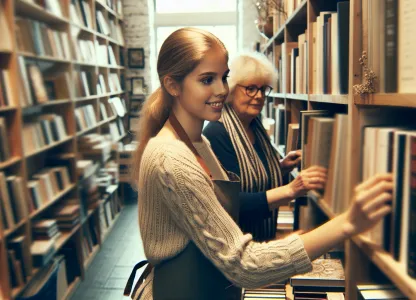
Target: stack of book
[
  {"x": 327, "y": 276},
  {"x": 42, "y": 252},
  {"x": 45, "y": 229},
  {"x": 95, "y": 147},
  {"x": 274, "y": 292},
  {"x": 67, "y": 216}
]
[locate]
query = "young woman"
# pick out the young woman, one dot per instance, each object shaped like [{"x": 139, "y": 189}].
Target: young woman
[
  {"x": 187, "y": 211},
  {"x": 243, "y": 147}
]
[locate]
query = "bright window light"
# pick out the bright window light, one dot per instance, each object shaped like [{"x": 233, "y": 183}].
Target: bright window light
[{"x": 192, "y": 6}]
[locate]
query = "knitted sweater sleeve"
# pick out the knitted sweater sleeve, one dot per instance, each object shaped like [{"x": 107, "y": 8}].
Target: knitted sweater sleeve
[{"x": 189, "y": 195}]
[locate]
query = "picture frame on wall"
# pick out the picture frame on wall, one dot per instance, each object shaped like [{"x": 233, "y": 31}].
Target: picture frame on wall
[
  {"x": 133, "y": 123},
  {"x": 136, "y": 58},
  {"x": 137, "y": 86}
]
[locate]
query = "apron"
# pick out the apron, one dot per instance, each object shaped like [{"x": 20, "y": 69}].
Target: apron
[{"x": 190, "y": 275}]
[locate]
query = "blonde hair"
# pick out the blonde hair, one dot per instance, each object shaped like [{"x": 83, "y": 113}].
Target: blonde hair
[
  {"x": 250, "y": 65},
  {"x": 180, "y": 53}
]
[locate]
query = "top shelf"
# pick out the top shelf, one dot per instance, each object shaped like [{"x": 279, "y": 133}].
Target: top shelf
[
  {"x": 36, "y": 11},
  {"x": 111, "y": 11},
  {"x": 396, "y": 100},
  {"x": 297, "y": 17}
]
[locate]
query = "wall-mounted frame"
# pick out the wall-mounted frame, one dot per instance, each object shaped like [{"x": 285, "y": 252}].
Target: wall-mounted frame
[{"x": 136, "y": 58}]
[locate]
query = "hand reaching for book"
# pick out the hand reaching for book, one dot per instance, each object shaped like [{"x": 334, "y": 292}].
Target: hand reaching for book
[
  {"x": 370, "y": 204},
  {"x": 313, "y": 178},
  {"x": 290, "y": 161}
]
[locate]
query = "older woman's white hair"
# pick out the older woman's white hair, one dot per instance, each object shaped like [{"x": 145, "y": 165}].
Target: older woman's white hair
[{"x": 251, "y": 66}]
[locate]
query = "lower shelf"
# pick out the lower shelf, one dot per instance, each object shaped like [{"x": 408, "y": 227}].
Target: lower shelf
[
  {"x": 390, "y": 267},
  {"x": 72, "y": 288},
  {"x": 90, "y": 258},
  {"x": 107, "y": 232}
]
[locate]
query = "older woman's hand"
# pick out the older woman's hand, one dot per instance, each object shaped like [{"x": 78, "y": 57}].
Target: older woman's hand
[
  {"x": 313, "y": 178},
  {"x": 291, "y": 160}
]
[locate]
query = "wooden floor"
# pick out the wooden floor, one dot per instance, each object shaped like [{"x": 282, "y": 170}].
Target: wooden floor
[{"x": 107, "y": 275}]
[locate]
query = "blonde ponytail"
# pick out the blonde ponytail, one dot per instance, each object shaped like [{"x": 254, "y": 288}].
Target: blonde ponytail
[{"x": 153, "y": 115}]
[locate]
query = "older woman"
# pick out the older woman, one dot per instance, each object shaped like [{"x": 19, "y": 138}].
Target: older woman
[{"x": 242, "y": 146}]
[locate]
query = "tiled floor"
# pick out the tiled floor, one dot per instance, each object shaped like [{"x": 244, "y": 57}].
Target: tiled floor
[{"x": 107, "y": 275}]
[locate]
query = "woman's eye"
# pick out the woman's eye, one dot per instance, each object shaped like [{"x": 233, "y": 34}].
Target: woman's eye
[
  {"x": 207, "y": 80},
  {"x": 251, "y": 88}
]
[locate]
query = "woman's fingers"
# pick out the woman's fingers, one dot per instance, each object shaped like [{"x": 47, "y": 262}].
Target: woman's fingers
[
  {"x": 380, "y": 213},
  {"x": 317, "y": 186},
  {"x": 373, "y": 181},
  {"x": 366, "y": 195},
  {"x": 316, "y": 174},
  {"x": 315, "y": 169},
  {"x": 376, "y": 203}
]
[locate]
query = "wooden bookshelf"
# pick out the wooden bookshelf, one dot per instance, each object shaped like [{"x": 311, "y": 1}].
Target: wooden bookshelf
[
  {"x": 25, "y": 164},
  {"x": 364, "y": 261}
]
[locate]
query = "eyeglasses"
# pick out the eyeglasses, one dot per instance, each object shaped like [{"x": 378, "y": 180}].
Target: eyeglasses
[{"x": 252, "y": 90}]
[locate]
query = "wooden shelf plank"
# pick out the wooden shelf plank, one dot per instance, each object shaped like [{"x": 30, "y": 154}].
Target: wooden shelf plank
[
  {"x": 299, "y": 15},
  {"x": 10, "y": 162},
  {"x": 44, "y": 57},
  {"x": 303, "y": 97},
  {"x": 9, "y": 231},
  {"x": 391, "y": 268},
  {"x": 17, "y": 290},
  {"x": 317, "y": 198},
  {"x": 86, "y": 98},
  {"x": 278, "y": 36},
  {"x": 48, "y": 147},
  {"x": 110, "y": 10},
  {"x": 79, "y": 133},
  {"x": 72, "y": 288},
  {"x": 83, "y": 28},
  {"x": 8, "y": 109},
  {"x": 37, "y": 108},
  {"x": 65, "y": 236},
  {"x": 37, "y": 12},
  {"x": 393, "y": 100},
  {"x": 90, "y": 258},
  {"x": 53, "y": 200},
  {"x": 277, "y": 95},
  {"x": 337, "y": 99},
  {"x": 83, "y": 63}
]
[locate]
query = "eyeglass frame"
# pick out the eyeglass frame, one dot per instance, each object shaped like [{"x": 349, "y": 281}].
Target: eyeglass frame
[{"x": 262, "y": 89}]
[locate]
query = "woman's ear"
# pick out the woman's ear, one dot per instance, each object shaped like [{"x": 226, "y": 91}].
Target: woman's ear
[{"x": 171, "y": 86}]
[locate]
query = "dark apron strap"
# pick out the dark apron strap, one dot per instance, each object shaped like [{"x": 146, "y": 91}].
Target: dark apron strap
[
  {"x": 185, "y": 138},
  {"x": 130, "y": 281}
]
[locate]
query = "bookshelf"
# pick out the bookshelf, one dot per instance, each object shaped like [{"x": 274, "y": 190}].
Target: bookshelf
[
  {"x": 66, "y": 91},
  {"x": 365, "y": 261}
]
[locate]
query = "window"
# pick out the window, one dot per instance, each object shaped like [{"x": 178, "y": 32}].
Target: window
[
  {"x": 194, "y": 6},
  {"x": 216, "y": 16}
]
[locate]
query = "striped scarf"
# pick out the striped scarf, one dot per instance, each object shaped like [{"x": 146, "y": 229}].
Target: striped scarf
[{"x": 253, "y": 175}]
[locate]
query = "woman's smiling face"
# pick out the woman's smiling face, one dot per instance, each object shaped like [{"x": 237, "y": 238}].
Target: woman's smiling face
[{"x": 205, "y": 89}]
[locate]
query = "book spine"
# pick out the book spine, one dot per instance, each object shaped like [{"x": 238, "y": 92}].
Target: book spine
[
  {"x": 390, "y": 49},
  {"x": 343, "y": 10},
  {"x": 411, "y": 262}
]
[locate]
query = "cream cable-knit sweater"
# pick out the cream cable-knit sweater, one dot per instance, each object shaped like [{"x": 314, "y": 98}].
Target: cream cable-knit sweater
[{"x": 177, "y": 204}]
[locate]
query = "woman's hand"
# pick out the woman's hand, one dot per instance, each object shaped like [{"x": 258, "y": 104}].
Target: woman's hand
[
  {"x": 291, "y": 160},
  {"x": 370, "y": 204},
  {"x": 313, "y": 178}
]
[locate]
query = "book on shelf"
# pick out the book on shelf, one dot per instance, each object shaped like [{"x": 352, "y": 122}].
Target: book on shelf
[
  {"x": 378, "y": 291},
  {"x": 6, "y": 40},
  {"x": 327, "y": 275},
  {"x": 85, "y": 117},
  {"x": 45, "y": 229},
  {"x": 67, "y": 215},
  {"x": 6, "y": 96},
  {"x": 292, "y": 137},
  {"x": 5, "y": 151},
  {"x": 20, "y": 246},
  {"x": 42, "y": 252},
  {"x": 15, "y": 269}
]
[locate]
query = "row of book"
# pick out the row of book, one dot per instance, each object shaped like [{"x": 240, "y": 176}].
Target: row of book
[
  {"x": 39, "y": 38},
  {"x": 93, "y": 52},
  {"x": 42, "y": 85},
  {"x": 107, "y": 212},
  {"x": 117, "y": 130},
  {"x": 85, "y": 117},
  {"x": 84, "y": 86},
  {"x": 115, "y": 5},
  {"x": 46, "y": 184},
  {"x": 89, "y": 240},
  {"x": 45, "y": 130},
  {"x": 390, "y": 35},
  {"x": 14, "y": 208},
  {"x": 81, "y": 14},
  {"x": 5, "y": 151},
  {"x": 393, "y": 150}
]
